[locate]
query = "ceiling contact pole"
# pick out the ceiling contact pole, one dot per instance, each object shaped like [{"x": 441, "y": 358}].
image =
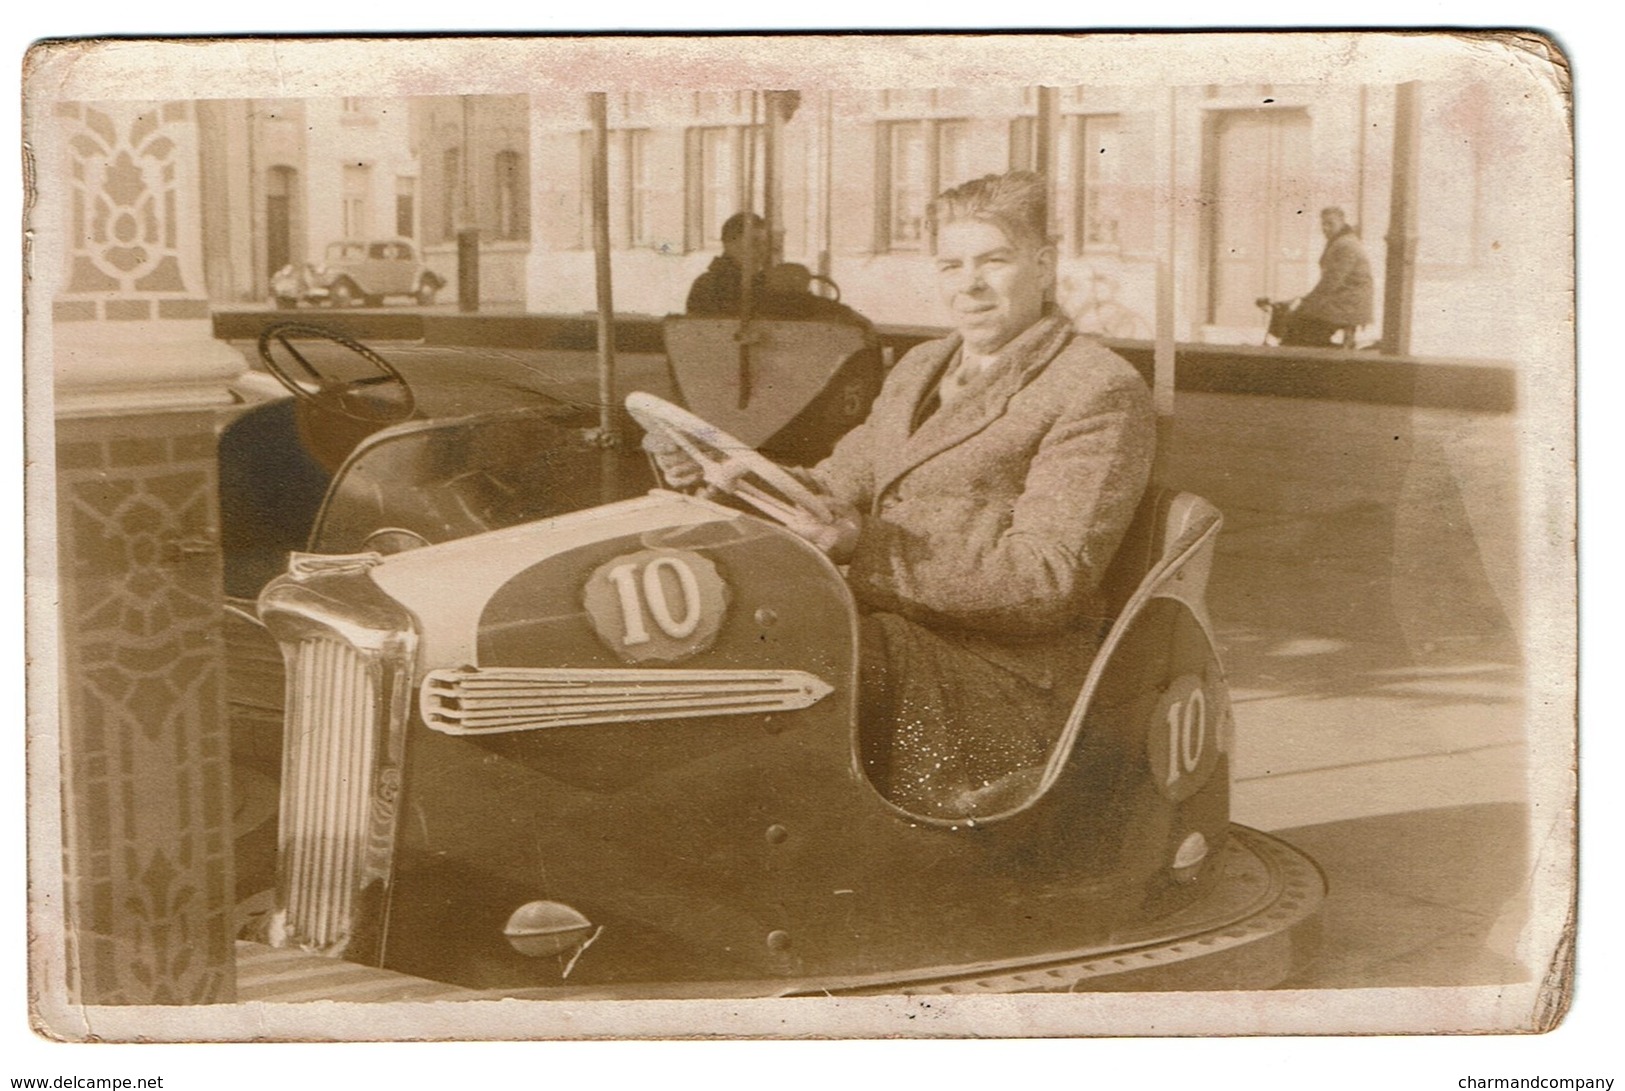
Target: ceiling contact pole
[{"x": 608, "y": 421}]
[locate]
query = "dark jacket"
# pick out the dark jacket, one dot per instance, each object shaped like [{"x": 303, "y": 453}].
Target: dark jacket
[
  {"x": 717, "y": 290},
  {"x": 1343, "y": 295}
]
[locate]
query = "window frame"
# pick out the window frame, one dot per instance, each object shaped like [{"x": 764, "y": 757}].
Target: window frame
[
  {"x": 932, "y": 131},
  {"x": 451, "y": 168},
  {"x": 1090, "y": 189},
  {"x": 698, "y": 232},
  {"x": 511, "y": 197},
  {"x": 355, "y": 192},
  {"x": 638, "y": 190}
]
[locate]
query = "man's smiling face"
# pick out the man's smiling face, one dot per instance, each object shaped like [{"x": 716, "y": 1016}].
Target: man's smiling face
[{"x": 992, "y": 286}]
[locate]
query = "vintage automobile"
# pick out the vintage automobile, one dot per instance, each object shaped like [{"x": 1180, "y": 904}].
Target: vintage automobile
[
  {"x": 357, "y": 272},
  {"x": 545, "y": 745}
]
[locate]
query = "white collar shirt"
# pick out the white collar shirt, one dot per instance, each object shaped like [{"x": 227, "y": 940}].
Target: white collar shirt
[{"x": 970, "y": 367}]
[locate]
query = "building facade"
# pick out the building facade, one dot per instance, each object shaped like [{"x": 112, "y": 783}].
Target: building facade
[
  {"x": 282, "y": 178},
  {"x": 1222, "y": 183},
  {"x": 1219, "y": 185},
  {"x": 477, "y": 174}
]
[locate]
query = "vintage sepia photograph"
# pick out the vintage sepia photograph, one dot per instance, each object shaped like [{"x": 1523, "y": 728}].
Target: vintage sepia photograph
[{"x": 788, "y": 535}]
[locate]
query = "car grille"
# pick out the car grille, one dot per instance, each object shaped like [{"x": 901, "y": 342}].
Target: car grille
[
  {"x": 328, "y": 790},
  {"x": 347, "y": 697}
]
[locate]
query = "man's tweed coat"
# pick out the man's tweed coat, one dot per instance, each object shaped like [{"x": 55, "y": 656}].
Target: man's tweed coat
[{"x": 986, "y": 528}]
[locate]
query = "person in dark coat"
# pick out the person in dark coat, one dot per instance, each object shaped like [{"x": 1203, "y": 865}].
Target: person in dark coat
[
  {"x": 978, "y": 507},
  {"x": 720, "y": 290},
  {"x": 1342, "y": 298},
  {"x": 787, "y": 293}
]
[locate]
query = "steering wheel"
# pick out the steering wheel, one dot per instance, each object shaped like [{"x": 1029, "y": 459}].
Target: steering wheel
[
  {"x": 381, "y": 399},
  {"x": 727, "y": 464},
  {"x": 821, "y": 285}
]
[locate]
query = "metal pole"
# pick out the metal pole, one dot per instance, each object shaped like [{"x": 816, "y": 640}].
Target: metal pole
[
  {"x": 1163, "y": 356},
  {"x": 773, "y": 179},
  {"x": 747, "y": 287},
  {"x": 1399, "y": 273},
  {"x": 608, "y": 427},
  {"x": 826, "y": 185},
  {"x": 747, "y": 272},
  {"x": 468, "y": 232},
  {"x": 1046, "y": 132}
]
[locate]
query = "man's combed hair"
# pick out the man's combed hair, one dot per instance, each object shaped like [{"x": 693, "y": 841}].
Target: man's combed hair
[{"x": 1017, "y": 203}]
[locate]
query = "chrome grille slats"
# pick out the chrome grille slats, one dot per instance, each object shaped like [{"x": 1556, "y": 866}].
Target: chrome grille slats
[
  {"x": 332, "y": 747},
  {"x": 489, "y": 700},
  {"x": 349, "y": 656}
]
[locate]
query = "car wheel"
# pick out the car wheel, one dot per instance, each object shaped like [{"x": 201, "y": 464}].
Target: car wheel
[
  {"x": 343, "y": 294},
  {"x": 426, "y": 292}
]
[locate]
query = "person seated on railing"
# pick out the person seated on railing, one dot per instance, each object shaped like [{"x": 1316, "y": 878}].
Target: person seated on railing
[
  {"x": 1342, "y": 298},
  {"x": 720, "y": 289},
  {"x": 977, "y": 508}
]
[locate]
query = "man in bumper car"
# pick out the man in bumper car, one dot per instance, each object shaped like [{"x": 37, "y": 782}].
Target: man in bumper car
[{"x": 977, "y": 508}]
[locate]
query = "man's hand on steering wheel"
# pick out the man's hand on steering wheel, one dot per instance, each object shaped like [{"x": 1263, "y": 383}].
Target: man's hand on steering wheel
[
  {"x": 678, "y": 469},
  {"x": 688, "y": 452},
  {"x": 838, "y": 538}
]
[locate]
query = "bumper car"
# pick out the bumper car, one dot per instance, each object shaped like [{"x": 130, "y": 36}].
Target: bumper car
[
  {"x": 789, "y": 379},
  {"x": 354, "y": 458},
  {"x": 611, "y": 750}
]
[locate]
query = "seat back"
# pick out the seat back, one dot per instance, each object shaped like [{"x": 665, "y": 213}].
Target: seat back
[
  {"x": 1166, "y": 553},
  {"x": 1141, "y": 546},
  {"x": 751, "y": 380},
  {"x": 1172, "y": 535},
  {"x": 271, "y": 488}
]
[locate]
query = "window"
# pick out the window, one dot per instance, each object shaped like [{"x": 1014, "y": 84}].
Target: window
[
  {"x": 638, "y": 213},
  {"x": 907, "y": 186},
  {"x": 584, "y": 238},
  {"x": 357, "y": 183},
  {"x": 451, "y": 184},
  {"x": 406, "y": 207},
  {"x": 917, "y": 160},
  {"x": 952, "y": 158},
  {"x": 712, "y": 103},
  {"x": 715, "y": 179},
  {"x": 281, "y": 188},
  {"x": 1101, "y": 155},
  {"x": 721, "y": 182},
  {"x": 358, "y": 112},
  {"x": 1023, "y": 143},
  {"x": 512, "y": 200},
  {"x": 1450, "y": 198}
]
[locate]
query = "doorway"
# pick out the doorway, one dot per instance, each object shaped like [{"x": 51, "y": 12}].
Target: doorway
[
  {"x": 279, "y": 191},
  {"x": 1261, "y": 224}
]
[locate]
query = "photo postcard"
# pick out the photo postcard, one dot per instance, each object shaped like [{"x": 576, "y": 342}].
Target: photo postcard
[{"x": 800, "y": 535}]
